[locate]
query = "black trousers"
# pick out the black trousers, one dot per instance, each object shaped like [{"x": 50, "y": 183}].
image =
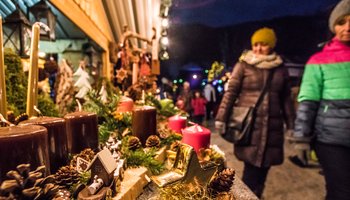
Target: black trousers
[
  {"x": 255, "y": 177},
  {"x": 209, "y": 107},
  {"x": 335, "y": 162}
]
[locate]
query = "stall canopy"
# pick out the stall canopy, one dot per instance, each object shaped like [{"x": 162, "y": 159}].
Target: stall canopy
[{"x": 64, "y": 27}]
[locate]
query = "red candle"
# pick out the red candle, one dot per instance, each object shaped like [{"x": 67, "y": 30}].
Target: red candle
[
  {"x": 57, "y": 139},
  {"x": 23, "y": 144},
  {"x": 196, "y": 136},
  {"x": 177, "y": 123},
  {"x": 144, "y": 122},
  {"x": 82, "y": 131},
  {"x": 125, "y": 105}
]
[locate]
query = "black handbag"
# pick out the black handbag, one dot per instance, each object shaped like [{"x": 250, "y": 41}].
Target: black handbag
[{"x": 240, "y": 124}]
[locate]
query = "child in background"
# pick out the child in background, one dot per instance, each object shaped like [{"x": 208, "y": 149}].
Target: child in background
[{"x": 198, "y": 105}]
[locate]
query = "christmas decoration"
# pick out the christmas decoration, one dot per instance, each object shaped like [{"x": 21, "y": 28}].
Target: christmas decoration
[
  {"x": 222, "y": 182},
  {"x": 122, "y": 74},
  {"x": 212, "y": 154},
  {"x": 26, "y": 184},
  {"x": 65, "y": 88},
  {"x": 187, "y": 191},
  {"x": 215, "y": 71},
  {"x": 21, "y": 117},
  {"x": 153, "y": 141},
  {"x": 134, "y": 143},
  {"x": 186, "y": 169},
  {"x": 103, "y": 94},
  {"x": 67, "y": 177},
  {"x": 83, "y": 82},
  {"x": 86, "y": 154}
]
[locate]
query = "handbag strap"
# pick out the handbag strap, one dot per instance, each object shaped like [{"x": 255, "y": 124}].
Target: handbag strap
[{"x": 265, "y": 88}]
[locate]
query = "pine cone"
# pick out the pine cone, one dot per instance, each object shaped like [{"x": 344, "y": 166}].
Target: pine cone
[
  {"x": 86, "y": 154},
  {"x": 21, "y": 117},
  {"x": 222, "y": 182},
  {"x": 175, "y": 145},
  {"x": 134, "y": 143},
  {"x": 153, "y": 141},
  {"x": 26, "y": 184},
  {"x": 67, "y": 176}
]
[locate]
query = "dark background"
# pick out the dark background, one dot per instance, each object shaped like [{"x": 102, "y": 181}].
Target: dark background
[{"x": 202, "y": 32}]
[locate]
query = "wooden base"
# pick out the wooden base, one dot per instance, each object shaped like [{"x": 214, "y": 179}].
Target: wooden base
[
  {"x": 101, "y": 194},
  {"x": 135, "y": 179}
]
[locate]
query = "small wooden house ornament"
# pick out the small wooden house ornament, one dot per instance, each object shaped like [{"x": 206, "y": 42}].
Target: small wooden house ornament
[{"x": 103, "y": 165}]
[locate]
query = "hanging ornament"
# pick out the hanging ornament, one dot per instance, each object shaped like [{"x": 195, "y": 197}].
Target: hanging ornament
[{"x": 121, "y": 75}]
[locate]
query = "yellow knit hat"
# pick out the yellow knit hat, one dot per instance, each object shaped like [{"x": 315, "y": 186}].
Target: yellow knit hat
[{"x": 265, "y": 35}]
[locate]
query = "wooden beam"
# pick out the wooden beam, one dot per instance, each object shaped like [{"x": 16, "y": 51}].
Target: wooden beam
[{"x": 73, "y": 12}]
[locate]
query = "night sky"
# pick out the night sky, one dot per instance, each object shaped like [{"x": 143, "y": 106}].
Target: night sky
[
  {"x": 204, "y": 31},
  {"x": 218, "y": 13}
]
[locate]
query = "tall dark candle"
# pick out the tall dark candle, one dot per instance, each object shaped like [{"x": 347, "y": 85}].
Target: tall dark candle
[
  {"x": 57, "y": 139},
  {"x": 23, "y": 144},
  {"x": 82, "y": 131},
  {"x": 144, "y": 122}
]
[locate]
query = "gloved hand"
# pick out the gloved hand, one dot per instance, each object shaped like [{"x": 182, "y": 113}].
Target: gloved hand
[
  {"x": 301, "y": 148},
  {"x": 220, "y": 127}
]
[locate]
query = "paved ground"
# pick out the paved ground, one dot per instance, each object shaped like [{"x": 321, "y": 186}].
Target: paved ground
[{"x": 284, "y": 182}]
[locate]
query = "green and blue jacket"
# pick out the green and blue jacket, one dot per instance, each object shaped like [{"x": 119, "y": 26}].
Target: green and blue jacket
[{"x": 324, "y": 97}]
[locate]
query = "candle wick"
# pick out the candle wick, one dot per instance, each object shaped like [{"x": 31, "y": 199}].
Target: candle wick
[
  {"x": 2, "y": 119},
  {"x": 192, "y": 123},
  {"x": 79, "y": 105},
  {"x": 40, "y": 114}
]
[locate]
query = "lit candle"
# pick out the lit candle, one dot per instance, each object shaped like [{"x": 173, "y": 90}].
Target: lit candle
[
  {"x": 23, "y": 144},
  {"x": 32, "y": 91},
  {"x": 196, "y": 136},
  {"x": 57, "y": 139},
  {"x": 144, "y": 122},
  {"x": 82, "y": 131},
  {"x": 177, "y": 123},
  {"x": 3, "y": 101}
]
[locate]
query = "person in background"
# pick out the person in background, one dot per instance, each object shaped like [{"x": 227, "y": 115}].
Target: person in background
[
  {"x": 198, "y": 105},
  {"x": 184, "y": 98},
  {"x": 166, "y": 90},
  {"x": 247, "y": 80},
  {"x": 323, "y": 116},
  {"x": 210, "y": 96}
]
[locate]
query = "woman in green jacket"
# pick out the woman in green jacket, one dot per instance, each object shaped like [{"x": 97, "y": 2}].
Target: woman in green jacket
[{"x": 323, "y": 115}]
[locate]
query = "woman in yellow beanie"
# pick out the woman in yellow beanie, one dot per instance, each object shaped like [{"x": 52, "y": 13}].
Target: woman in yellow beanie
[{"x": 250, "y": 74}]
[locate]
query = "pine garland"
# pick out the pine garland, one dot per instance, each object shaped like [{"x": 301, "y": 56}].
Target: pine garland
[
  {"x": 107, "y": 121},
  {"x": 139, "y": 158}
]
